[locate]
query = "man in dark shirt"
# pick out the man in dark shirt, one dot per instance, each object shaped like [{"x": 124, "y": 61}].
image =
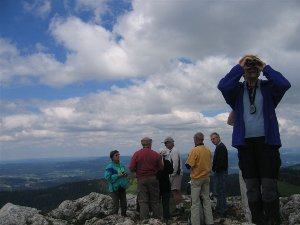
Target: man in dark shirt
[
  {"x": 165, "y": 184},
  {"x": 146, "y": 163},
  {"x": 220, "y": 169}
]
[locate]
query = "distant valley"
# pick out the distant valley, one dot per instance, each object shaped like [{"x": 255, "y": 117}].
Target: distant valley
[
  {"x": 46, "y": 173},
  {"x": 45, "y": 183}
]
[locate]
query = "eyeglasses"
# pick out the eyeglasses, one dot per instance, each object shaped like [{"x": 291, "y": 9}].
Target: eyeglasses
[{"x": 116, "y": 154}]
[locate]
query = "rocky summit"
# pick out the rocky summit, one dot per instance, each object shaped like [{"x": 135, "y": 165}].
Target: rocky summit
[{"x": 95, "y": 209}]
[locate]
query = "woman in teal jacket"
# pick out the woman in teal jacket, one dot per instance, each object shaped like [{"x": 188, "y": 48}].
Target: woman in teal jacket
[{"x": 116, "y": 176}]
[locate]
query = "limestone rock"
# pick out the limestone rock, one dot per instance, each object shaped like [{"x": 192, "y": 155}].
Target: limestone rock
[
  {"x": 290, "y": 209},
  {"x": 95, "y": 209},
  {"x": 85, "y": 208},
  {"x": 14, "y": 214},
  {"x": 109, "y": 219}
]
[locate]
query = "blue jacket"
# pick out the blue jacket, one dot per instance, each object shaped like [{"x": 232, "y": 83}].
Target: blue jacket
[
  {"x": 111, "y": 175},
  {"x": 272, "y": 91}
]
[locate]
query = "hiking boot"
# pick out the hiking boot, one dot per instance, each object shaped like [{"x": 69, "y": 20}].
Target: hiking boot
[
  {"x": 176, "y": 212},
  {"x": 219, "y": 215}
]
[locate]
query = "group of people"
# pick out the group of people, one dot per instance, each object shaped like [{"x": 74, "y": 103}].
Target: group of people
[
  {"x": 158, "y": 174},
  {"x": 255, "y": 136}
]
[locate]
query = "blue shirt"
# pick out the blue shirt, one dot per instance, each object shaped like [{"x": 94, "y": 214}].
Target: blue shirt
[{"x": 254, "y": 123}]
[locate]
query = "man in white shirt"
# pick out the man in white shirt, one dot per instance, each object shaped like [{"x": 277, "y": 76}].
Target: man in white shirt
[{"x": 176, "y": 176}]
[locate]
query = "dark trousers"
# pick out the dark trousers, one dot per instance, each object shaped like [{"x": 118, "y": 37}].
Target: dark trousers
[
  {"x": 119, "y": 197},
  {"x": 260, "y": 164},
  {"x": 148, "y": 196},
  {"x": 165, "y": 200}
]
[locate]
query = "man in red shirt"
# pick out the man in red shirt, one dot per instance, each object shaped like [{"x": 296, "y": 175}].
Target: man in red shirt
[{"x": 146, "y": 163}]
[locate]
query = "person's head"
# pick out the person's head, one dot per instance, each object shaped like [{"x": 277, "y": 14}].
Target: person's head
[
  {"x": 198, "y": 138},
  {"x": 215, "y": 138},
  {"x": 169, "y": 143},
  {"x": 252, "y": 66},
  {"x": 146, "y": 142},
  {"x": 114, "y": 155}
]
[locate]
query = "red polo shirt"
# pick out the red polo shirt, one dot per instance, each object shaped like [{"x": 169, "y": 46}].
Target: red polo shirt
[{"x": 145, "y": 163}]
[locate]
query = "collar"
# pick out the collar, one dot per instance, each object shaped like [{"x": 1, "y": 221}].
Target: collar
[
  {"x": 199, "y": 144},
  {"x": 257, "y": 84}
]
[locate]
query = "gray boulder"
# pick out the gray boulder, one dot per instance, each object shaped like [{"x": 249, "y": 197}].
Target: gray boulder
[
  {"x": 13, "y": 214},
  {"x": 95, "y": 209},
  {"x": 85, "y": 208},
  {"x": 290, "y": 209},
  {"x": 109, "y": 219}
]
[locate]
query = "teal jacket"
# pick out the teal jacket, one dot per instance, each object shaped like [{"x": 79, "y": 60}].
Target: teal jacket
[{"x": 111, "y": 175}]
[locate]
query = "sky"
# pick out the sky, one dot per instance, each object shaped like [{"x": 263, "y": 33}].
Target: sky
[{"x": 80, "y": 78}]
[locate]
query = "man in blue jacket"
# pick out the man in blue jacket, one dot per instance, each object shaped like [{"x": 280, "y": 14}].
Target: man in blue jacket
[{"x": 256, "y": 132}]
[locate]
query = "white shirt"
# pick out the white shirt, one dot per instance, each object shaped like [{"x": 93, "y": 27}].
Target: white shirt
[{"x": 174, "y": 157}]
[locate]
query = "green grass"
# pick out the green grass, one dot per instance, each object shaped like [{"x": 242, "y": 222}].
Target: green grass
[
  {"x": 287, "y": 189},
  {"x": 132, "y": 189}
]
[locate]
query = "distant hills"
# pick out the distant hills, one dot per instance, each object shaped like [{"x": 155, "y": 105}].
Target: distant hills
[
  {"x": 49, "y": 198},
  {"x": 46, "y": 173},
  {"x": 45, "y": 183}
]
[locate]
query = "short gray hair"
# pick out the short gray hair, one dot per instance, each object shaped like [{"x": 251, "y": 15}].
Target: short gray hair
[
  {"x": 199, "y": 135},
  {"x": 215, "y": 133},
  {"x": 146, "y": 142}
]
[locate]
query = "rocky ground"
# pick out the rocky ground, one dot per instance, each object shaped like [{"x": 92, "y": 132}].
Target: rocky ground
[{"x": 94, "y": 209}]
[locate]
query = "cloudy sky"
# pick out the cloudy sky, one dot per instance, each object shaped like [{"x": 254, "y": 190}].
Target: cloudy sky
[{"x": 80, "y": 78}]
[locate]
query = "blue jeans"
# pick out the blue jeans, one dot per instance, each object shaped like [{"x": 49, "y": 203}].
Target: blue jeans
[{"x": 220, "y": 190}]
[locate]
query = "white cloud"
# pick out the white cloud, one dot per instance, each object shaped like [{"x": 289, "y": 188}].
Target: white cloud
[
  {"x": 97, "y": 7},
  {"x": 156, "y": 33},
  {"x": 40, "y": 8},
  {"x": 19, "y": 121},
  {"x": 164, "y": 95},
  {"x": 164, "y": 104},
  {"x": 60, "y": 112}
]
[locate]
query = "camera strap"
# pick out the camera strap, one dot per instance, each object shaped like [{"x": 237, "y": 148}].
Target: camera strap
[{"x": 252, "y": 94}]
